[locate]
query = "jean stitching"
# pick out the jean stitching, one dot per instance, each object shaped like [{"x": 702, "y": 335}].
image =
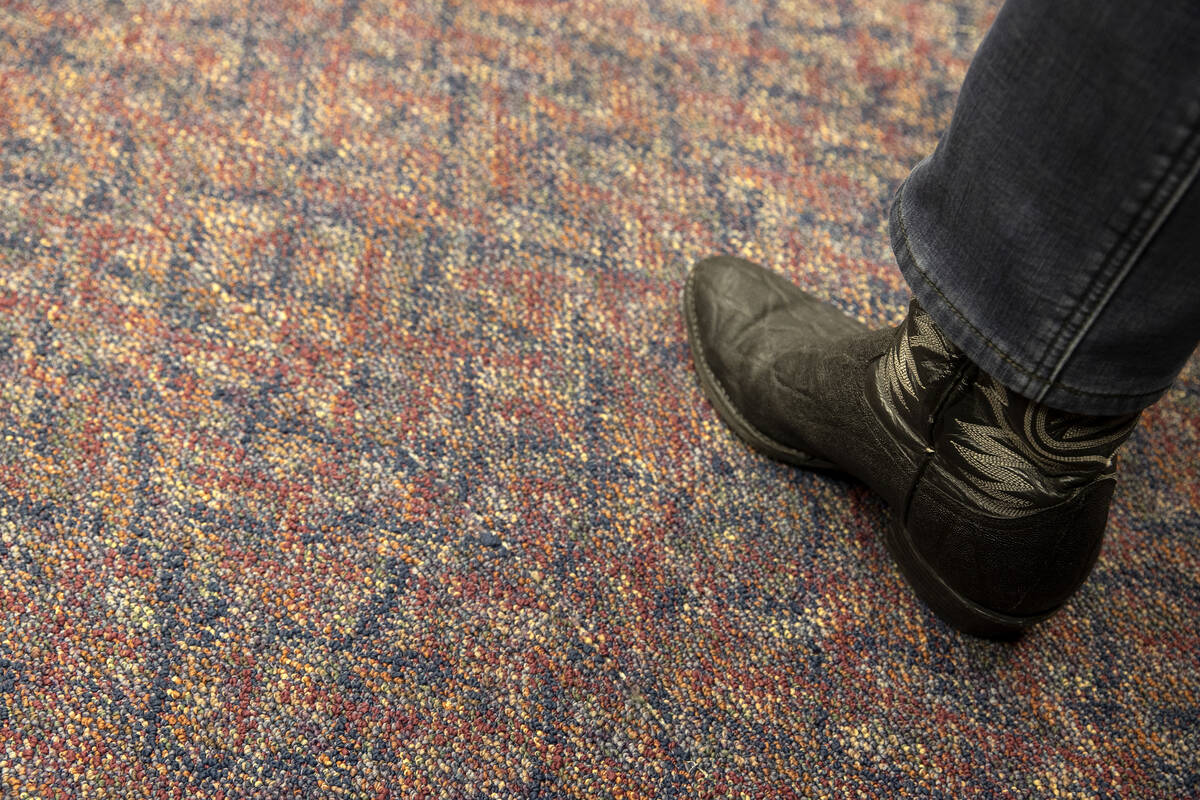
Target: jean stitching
[
  {"x": 1180, "y": 169},
  {"x": 1048, "y": 384},
  {"x": 1060, "y": 385},
  {"x": 1075, "y": 390}
]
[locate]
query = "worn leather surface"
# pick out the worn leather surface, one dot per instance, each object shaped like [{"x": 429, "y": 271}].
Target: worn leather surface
[
  {"x": 1021, "y": 566},
  {"x": 796, "y": 368},
  {"x": 1004, "y": 499}
]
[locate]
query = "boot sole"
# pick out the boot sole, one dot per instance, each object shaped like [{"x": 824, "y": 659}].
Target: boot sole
[
  {"x": 724, "y": 406},
  {"x": 956, "y": 610}
]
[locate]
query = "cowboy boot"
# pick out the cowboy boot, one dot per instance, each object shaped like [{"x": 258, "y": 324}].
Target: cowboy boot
[{"x": 998, "y": 504}]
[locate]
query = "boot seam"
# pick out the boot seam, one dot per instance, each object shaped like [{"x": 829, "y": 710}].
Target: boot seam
[{"x": 962, "y": 380}]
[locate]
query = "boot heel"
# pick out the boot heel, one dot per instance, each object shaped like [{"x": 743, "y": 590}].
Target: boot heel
[{"x": 954, "y": 609}]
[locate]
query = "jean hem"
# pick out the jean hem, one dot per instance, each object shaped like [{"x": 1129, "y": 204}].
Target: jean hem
[{"x": 986, "y": 353}]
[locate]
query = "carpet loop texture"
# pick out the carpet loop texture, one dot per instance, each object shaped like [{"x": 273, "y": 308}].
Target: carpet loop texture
[{"x": 350, "y": 445}]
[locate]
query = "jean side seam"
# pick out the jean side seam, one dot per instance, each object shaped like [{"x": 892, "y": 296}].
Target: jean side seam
[
  {"x": 1030, "y": 375},
  {"x": 1160, "y": 218}
]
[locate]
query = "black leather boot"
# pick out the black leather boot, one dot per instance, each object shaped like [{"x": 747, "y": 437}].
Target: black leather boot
[{"x": 998, "y": 503}]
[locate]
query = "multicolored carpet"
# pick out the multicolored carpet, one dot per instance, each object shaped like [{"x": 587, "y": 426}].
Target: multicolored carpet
[{"x": 350, "y": 447}]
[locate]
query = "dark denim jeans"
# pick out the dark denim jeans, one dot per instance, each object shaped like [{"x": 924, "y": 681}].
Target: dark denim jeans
[{"x": 1054, "y": 234}]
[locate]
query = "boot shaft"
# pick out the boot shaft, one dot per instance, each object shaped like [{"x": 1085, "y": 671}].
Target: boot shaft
[
  {"x": 1008, "y": 504},
  {"x": 1003, "y": 452}
]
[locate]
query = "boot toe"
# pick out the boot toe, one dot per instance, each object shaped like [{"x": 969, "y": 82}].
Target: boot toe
[
  {"x": 742, "y": 309},
  {"x": 740, "y": 319}
]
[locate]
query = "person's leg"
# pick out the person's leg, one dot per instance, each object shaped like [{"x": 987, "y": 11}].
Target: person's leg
[
  {"x": 1056, "y": 265},
  {"x": 1054, "y": 235}
]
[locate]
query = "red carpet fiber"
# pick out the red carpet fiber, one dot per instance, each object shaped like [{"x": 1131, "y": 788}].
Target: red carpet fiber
[{"x": 350, "y": 445}]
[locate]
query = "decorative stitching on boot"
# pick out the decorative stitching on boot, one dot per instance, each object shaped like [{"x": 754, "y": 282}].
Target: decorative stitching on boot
[{"x": 1017, "y": 456}]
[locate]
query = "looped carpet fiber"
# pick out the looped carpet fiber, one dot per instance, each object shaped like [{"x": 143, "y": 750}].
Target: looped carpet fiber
[{"x": 349, "y": 443}]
